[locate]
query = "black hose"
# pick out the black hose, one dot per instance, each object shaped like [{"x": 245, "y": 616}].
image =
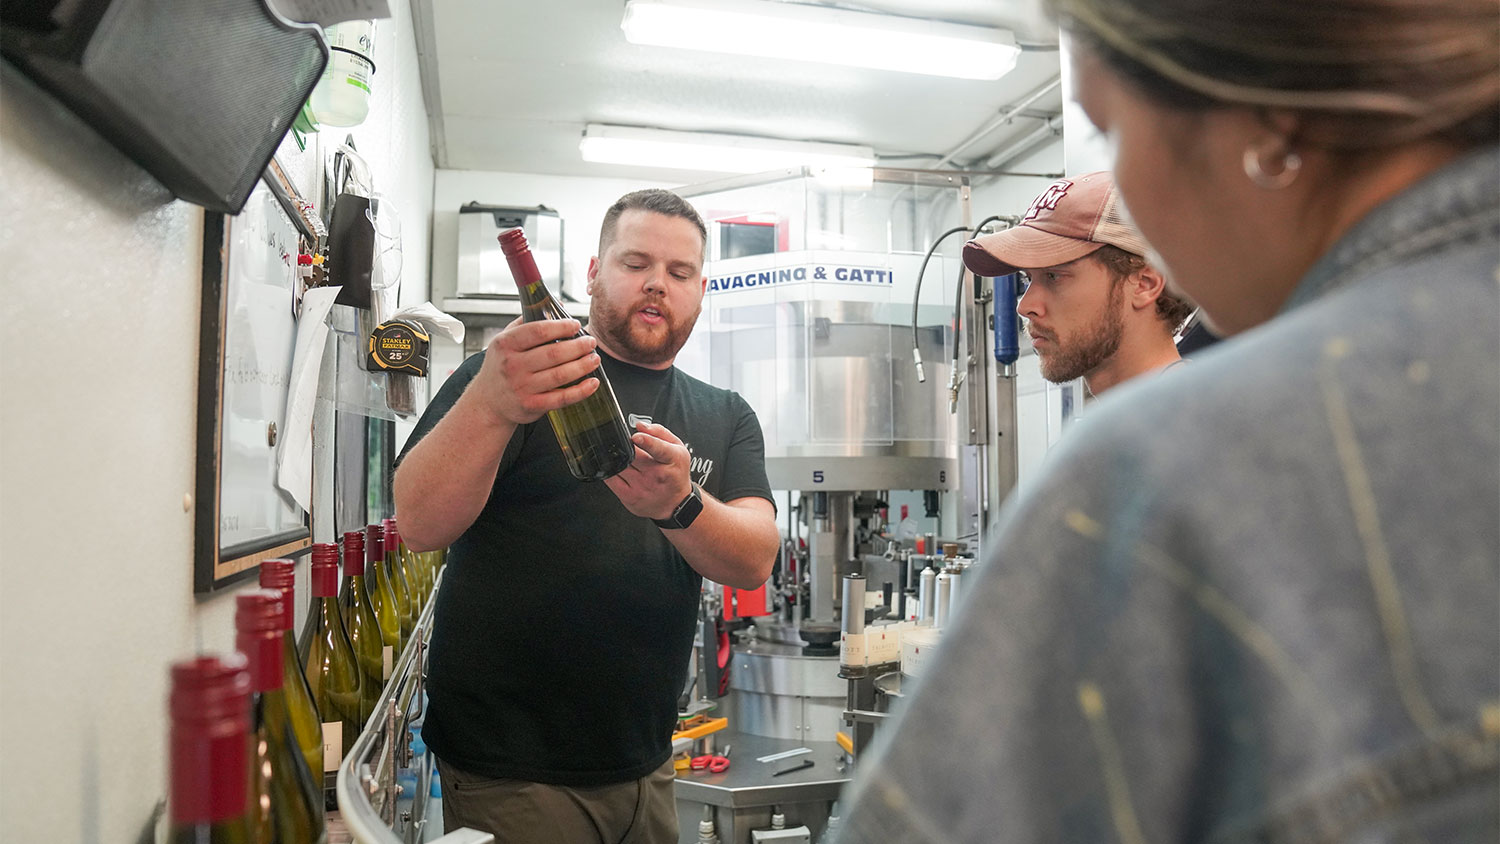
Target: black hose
[
  {"x": 917, "y": 296},
  {"x": 958, "y": 310}
]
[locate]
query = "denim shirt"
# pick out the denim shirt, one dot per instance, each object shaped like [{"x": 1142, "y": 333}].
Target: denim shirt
[{"x": 1257, "y": 599}]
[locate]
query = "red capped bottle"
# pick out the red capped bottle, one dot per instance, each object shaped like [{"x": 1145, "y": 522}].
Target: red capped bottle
[
  {"x": 399, "y": 583},
  {"x": 592, "y": 432},
  {"x": 383, "y": 599},
  {"x": 333, "y": 673},
  {"x": 281, "y": 575},
  {"x": 209, "y": 756},
  {"x": 362, "y": 625},
  {"x": 284, "y": 803}
]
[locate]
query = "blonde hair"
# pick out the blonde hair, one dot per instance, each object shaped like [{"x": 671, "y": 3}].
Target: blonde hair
[{"x": 1366, "y": 72}]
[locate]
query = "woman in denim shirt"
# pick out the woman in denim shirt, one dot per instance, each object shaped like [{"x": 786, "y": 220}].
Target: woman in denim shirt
[{"x": 1259, "y": 599}]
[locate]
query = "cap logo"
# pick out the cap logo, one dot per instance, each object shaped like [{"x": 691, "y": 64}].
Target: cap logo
[{"x": 1049, "y": 199}]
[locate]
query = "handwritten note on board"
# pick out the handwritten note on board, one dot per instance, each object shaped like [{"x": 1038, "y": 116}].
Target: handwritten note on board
[{"x": 259, "y": 333}]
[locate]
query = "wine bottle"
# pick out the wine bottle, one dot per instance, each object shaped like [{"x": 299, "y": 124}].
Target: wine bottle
[
  {"x": 333, "y": 674},
  {"x": 428, "y": 560},
  {"x": 283, "y": 798},
  {"x": 398, "y": 581},
  {"x": 410, "y": 574},
  {"x": 382, "y": 599},
  {"x": 281, "y": 575},
  {"x": 409, "y": 568},
  {"x": 209, "y": 759},
  {"x": 592, "y": 432},
  {"x": 429, "y": 570},
  {"x": 412, "y": 565},
  {"x": 362, "y": 625}
]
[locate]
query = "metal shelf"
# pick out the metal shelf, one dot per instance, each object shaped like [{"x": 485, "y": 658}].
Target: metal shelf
[{"x": 367, "y": 791}]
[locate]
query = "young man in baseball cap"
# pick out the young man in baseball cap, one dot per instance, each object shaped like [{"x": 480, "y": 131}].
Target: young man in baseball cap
[{"x": 1094, "y": 308}]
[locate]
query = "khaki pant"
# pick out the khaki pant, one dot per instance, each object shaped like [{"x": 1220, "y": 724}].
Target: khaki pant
[{"x": 642, "y": 811}]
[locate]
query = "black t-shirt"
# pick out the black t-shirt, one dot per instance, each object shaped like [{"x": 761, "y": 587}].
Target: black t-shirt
[{"x": 564, "y": 624}]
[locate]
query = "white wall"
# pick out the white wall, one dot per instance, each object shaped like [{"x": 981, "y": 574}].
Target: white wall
[{"x": 101, "y": 274}]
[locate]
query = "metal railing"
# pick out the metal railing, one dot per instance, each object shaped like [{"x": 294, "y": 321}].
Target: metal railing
[{"x": 368, "y": 787}]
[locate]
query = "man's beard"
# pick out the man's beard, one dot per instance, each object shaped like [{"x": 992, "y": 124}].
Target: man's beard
[
  {"x": 643, "y": 345},
  {"x": 1095, "y": 344}
]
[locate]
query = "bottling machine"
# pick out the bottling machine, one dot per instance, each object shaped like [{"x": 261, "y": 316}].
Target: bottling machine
[{"x": 833, "y": 306}]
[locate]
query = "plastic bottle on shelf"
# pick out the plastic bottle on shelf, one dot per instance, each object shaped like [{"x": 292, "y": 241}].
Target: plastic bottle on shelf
[{"x": 342, "y": 96}]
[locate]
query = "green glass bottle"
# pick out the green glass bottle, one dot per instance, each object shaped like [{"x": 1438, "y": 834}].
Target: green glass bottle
[
  {"x": 399, "y": 584},
  {"x": 283, "y": 799},
  {"x": 416, "y": 576},
  {"x": 592, "y": 432},
  {"x": 333, "y": 673},
  {"x": 209, "y": 759},
  {"x": 423, "y": 562},
  {"x": 429, "y": 568},
  {"x": 362, "y": 625},
  {"x": 383, "y": 599},
  {"x": 281, "y": 575}
]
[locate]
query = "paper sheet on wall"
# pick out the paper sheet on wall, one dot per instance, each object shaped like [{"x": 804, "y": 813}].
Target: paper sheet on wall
[{"x": 294, "y": 454}]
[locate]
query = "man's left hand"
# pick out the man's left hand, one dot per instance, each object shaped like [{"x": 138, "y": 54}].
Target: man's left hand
[{"x": 658, "y": 480}]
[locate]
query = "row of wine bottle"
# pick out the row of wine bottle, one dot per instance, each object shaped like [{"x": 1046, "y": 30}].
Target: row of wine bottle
[{"x": 253, "y": 733}]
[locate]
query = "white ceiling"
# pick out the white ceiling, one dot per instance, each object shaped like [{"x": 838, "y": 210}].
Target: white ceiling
[{"x": 510, "y": 85}]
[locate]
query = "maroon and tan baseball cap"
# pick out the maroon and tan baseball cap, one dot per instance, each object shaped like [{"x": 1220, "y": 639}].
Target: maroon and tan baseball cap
[{"x": 1072, "y": 218}]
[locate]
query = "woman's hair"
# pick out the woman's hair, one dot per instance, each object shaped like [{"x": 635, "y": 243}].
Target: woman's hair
[
  {"x": 1365, "y": 73},
  {"x": 1122, "y": 265}
]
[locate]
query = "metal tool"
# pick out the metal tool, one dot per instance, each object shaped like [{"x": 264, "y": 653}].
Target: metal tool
[
  {"x": 795, "y": 768},
  {"x": 786, "y": 754}
]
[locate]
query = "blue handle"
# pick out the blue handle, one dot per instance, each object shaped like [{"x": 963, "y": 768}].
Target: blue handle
[{"x": 1006, "y": 321}]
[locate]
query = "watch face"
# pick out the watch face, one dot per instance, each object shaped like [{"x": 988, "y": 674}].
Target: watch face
[
  {"x": 689, "y": 509},
  {"x": 685, "y": 513}
]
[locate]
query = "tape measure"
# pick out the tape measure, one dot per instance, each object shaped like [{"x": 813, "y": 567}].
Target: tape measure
[{"x": 400, "y": 346}]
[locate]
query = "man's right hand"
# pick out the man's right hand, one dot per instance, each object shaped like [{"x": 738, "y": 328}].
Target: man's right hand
[{"x": 528, "y": 365}]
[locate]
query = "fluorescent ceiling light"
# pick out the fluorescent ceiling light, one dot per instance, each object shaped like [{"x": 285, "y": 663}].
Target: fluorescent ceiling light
[
  {"x": 717, "y": 153},
  {"x": 822, "y": 34}
]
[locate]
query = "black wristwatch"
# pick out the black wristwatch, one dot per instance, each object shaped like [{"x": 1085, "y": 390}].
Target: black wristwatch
[{"x": 685, "y": 513}]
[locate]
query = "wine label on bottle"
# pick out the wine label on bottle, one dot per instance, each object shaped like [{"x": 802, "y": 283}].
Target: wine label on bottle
[
  {"x": 398, "y": 346},
  {"x": 883, "y": 645},
  {"x": 852, "y": 649},
  {"x": 387, "y": 656},
  {"x": 333, "y": 745}
]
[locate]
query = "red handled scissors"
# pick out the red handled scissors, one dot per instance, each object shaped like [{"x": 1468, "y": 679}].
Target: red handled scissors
[{"x": 713, "y": 763}]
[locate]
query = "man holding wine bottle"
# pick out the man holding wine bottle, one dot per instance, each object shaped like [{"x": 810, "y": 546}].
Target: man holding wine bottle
[{"x": 565, "y": 621}]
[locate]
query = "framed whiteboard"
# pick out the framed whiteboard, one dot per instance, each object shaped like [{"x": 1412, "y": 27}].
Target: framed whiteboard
[{"x": 249, "y": 327}]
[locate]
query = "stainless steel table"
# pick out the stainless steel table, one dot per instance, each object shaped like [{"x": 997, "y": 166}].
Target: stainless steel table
[{"x": 744, "y": 795}]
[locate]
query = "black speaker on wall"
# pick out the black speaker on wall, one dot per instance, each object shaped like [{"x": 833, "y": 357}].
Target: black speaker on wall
[{"x": 198, "y": 92}]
